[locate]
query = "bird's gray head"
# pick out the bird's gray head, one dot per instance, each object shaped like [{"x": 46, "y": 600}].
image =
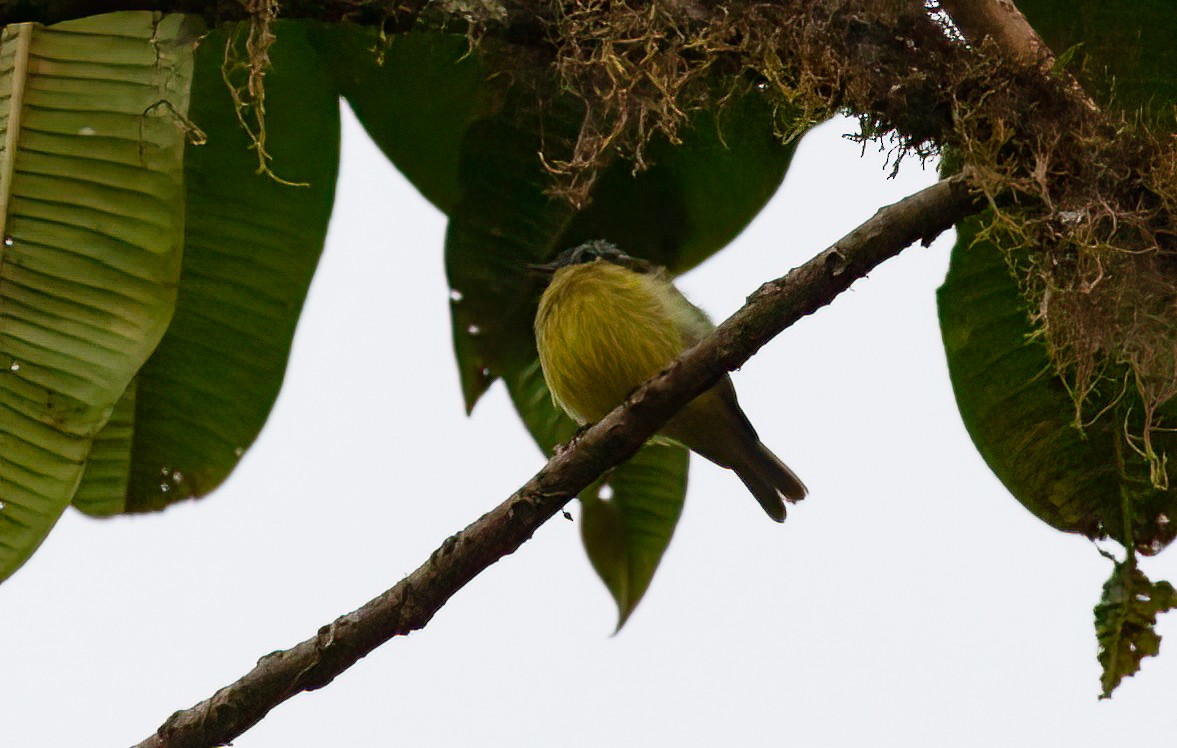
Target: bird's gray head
[{"x": 593, "y": 251}]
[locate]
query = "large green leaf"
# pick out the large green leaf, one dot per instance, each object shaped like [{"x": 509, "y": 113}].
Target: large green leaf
[
  {"x": 626, "y": 534},
  {"x": 698, "y": 195},
  {"x": 416, "y": 94},
  {"x": 252, "y": 245},
  {"x": 92, "y": 188},
  {"x": 1125, "y": 50},
  {"x": 1021, "y": 417},
  {"x": 504, "y": 222},
  {"x": 103, "y": 490}
]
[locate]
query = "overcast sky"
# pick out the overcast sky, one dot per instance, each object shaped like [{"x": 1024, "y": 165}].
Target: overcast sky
[{"x": 908, "y": 601}]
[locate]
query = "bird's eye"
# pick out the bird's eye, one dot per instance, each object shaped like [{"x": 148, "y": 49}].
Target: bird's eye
[{"x": 585, "y": 254}]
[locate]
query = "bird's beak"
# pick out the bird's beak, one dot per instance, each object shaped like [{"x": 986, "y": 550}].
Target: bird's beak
[{"x": 546, "y": 269}]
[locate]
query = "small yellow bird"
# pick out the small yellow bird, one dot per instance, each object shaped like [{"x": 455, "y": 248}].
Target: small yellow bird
[{"x": 608, "y": 322}]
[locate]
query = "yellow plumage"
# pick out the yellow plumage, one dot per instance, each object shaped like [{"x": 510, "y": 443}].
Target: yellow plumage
[
  {"x": 608, "y": 322},
  {"x": 588, "y": 317}
]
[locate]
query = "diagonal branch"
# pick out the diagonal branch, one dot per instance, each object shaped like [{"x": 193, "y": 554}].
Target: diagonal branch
[{"x": 412, "y": 602}]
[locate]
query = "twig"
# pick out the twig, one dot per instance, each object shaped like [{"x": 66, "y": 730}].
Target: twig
[{"x": 413, "y": 601}]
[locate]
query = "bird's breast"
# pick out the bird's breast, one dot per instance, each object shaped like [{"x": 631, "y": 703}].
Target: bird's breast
[{"x": 601, "y": 330}]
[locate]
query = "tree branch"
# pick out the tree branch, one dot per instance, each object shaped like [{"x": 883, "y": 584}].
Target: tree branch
[
  {"x": 870, "y": 57},
  {"x": 1001, "y": 21},
  {"x": 412, "y": 602}
]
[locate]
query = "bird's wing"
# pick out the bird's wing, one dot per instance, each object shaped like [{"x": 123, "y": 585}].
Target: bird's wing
[{"x": 693, "y": 323}]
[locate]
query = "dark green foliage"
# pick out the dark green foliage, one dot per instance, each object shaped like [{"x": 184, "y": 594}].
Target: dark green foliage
[
  {"x": 1081, "y": 468},
  {"x": 1022, "y": 418},
  {"x": 251, "y": 248}
]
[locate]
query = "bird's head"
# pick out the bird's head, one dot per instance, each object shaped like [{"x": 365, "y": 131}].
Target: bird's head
[{"x": 597, "y": 250}]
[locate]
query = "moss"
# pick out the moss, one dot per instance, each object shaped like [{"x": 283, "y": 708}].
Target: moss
[{"x": 1084, "y": 200}]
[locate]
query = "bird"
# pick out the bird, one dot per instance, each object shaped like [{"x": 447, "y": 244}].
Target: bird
[{"x": 607, "y": 322}]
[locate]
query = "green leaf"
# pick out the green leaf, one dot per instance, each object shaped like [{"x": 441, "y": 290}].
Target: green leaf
[
  {"x": 546, "y": 422},
  {"x": 252, "y": 245},
  {"x": 626, "y": 535},
  {"x": 103, "y": 490},
  {"x": 697, "y": 196},
  {"x": 1127, "y": 57},
  {"x": 1021, "y": 417},
  {"x": 1125, "y": 622},
  {"x": 504, "y": 222},
  {"x": 92, "y": 189},
  {"x": 416, "y": 94}
]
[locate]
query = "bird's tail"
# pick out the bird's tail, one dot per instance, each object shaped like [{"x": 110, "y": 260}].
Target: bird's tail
[
  {"x": 769, "y": 480},
  {"x": 714, "y": 426}
]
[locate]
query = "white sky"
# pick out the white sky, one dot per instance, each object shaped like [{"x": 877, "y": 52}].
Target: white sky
[{"x": 909, "y": 601}]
